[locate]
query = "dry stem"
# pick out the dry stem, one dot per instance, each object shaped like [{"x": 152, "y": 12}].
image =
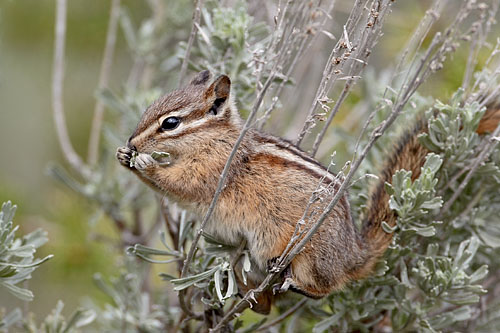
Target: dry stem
[
  {"x": 194, "y": 29},
  {"x": 57, "y": 94},
  {"x": 107, "y": 61}
]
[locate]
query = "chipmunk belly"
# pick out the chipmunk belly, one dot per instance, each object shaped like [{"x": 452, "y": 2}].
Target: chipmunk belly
[{"x": 223, "y": 231}]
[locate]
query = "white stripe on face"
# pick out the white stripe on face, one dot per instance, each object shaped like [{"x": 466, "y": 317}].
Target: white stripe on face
[{"x": 177, "y": 113}]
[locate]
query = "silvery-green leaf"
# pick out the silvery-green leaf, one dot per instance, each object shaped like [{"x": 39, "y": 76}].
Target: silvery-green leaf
[
  {"x": 325, "y": 324},
  {"x": 212, "y": 240},
  {"x": 232, "y": 287},
  {"x": 7, "y": 271},
  {"x": 154, "y": 261},
  {"x": 133, "y": 158},
  {"x": 167, "y": 277},
  {"x": 21, "y": 293},
  {"x": 159, "y": 154},
  {"x": 394, "y": 204},
  {"x": 218, "y": 285},
  {"x": 146, "y": 250},
  {"x": 451, "y": 317},
  {"x": 433, "y": 162},
  {"x": 183, "y": 283},
  {"x": 387, "y": 228},
  {"x": 488, "y": 238},
  {"x": 163, "y": 158},
  {"x": 80, "y": 318},
  {"x": 434, "y": 203},
  {"x": 479, "y": 274},
  {"x": 462, "y": 299},
  {"x": 32, "y": 264},
  {"x": 11, "y": 318},
  {"x": 426, "y": 232},
  {"x": 36, "y": 238},
  {"x": 246, "y": 262}
]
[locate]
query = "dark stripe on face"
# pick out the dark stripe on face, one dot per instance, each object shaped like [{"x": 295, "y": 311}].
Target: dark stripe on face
[{"x": 215, "y": 122}]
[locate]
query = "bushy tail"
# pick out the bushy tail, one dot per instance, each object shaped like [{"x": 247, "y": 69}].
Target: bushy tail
[
  {"x": 408, "y": 154},
  {"x": 490, "y": 119}
]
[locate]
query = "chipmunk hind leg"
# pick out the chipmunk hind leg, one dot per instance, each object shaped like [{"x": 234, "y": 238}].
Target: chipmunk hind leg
[
  {"x": 304, "y": 278},
  {"x": 316, "y": 276}
]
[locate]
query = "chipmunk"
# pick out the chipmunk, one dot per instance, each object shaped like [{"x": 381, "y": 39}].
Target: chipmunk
[{"x": 268, "y": 187}]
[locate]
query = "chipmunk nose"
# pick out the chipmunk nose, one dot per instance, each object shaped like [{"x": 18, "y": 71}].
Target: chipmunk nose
[{"x": 130, "y": 145}]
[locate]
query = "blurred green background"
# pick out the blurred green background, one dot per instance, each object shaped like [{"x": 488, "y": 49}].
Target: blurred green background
[
  {"x": 30, "y": 143},
  {"x": 28, "y": 139}
]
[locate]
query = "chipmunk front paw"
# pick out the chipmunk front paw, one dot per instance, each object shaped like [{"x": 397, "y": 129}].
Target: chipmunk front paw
[
  {"x": 144, "y": 161},
  {"x": 126, "y": 156}
]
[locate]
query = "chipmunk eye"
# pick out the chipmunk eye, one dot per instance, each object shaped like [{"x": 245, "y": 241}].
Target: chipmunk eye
[{"x": 170, "y": 123}]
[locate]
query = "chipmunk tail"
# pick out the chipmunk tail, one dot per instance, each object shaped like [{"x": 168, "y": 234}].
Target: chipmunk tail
[{"x": 410, "y": 155}]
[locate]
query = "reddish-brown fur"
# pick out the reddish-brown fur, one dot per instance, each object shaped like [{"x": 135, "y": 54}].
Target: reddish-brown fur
[{"x": 268, "y": 187}]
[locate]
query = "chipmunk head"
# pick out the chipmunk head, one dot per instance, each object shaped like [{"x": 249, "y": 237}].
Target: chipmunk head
[{"x": 182, "y": 120}]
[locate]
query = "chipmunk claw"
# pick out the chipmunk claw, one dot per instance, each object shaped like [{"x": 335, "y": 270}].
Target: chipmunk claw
[
  {"x": 280, "y": 288},
  {"x": 276, "y": 288},
  {"x": 144, "y": 161}
]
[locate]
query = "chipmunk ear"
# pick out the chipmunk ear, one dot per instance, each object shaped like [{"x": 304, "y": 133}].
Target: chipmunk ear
[
  {"x": 222, "y": 86},
  {"x": 201, "y": 78},
  {"x": 220, "y": 89}
]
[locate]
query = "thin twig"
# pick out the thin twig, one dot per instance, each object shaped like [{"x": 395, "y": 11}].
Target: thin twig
[
  {"x": 365, "y": 42},
  {"x": 491, "y": 20},
  {"x": 332, "y": 64},
  {"x": 332, "y": 114},
  {"x": 170, "y": 225},
  {"x": 57, "y": 94},
  {"x": 194, "y": 29},
  {"x": 304, "y": 46},
  {"x": 107, "y": 61},
  {"x": 471, "y": 61},
  {"x": 416, "y": 41}
]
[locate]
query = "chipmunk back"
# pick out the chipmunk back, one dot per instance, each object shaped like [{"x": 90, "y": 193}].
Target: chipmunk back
[{"x": 268, "y": 188}]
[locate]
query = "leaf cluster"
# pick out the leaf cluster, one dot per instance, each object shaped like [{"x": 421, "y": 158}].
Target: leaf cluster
[{"x": 17, "y": 255}]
